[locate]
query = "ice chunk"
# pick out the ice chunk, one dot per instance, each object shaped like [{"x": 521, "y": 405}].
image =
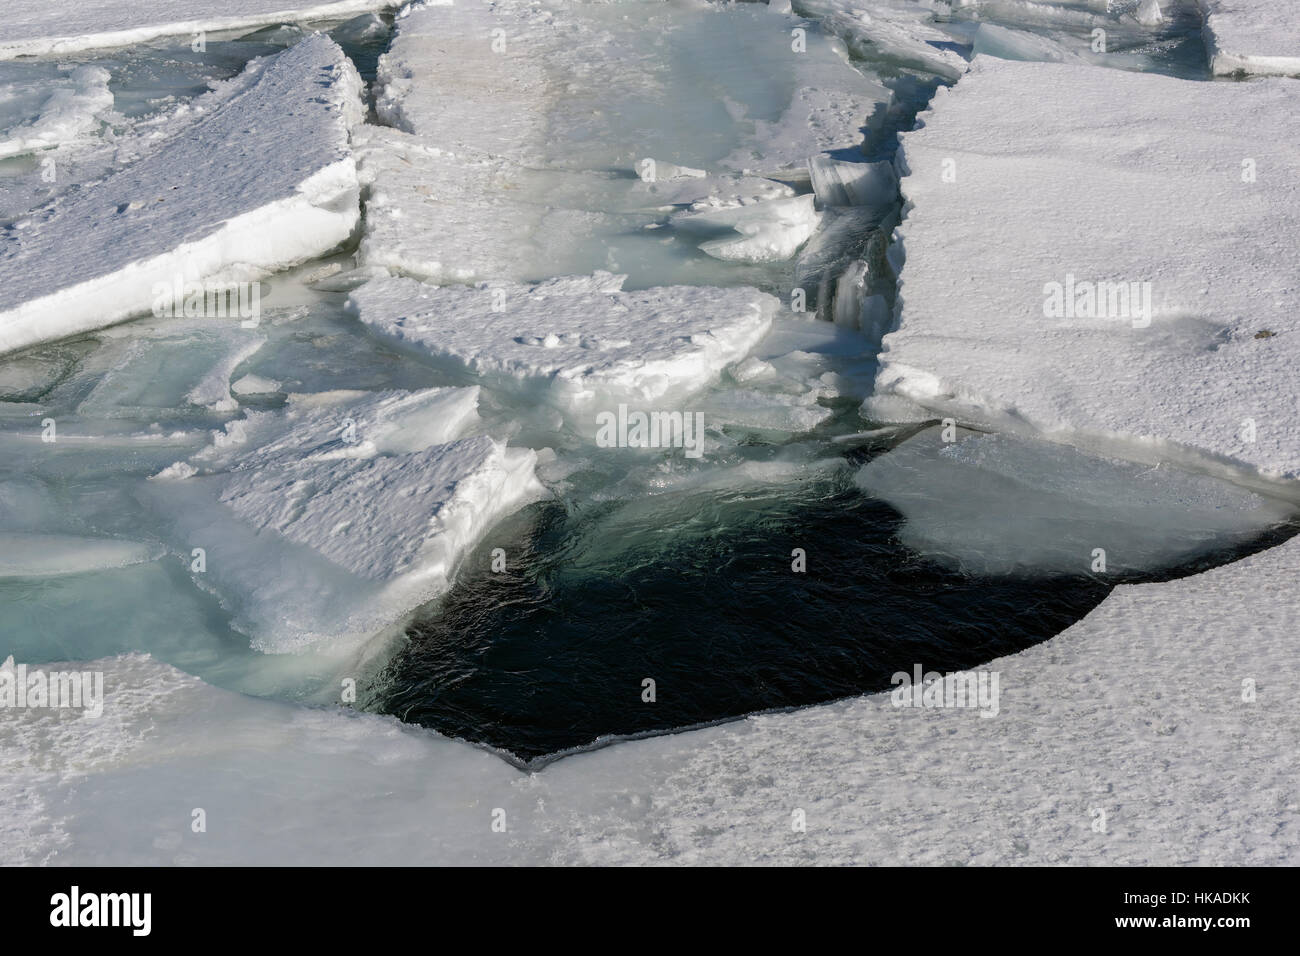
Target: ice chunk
[
  {"x": 325, "y": 426},
  {"x": 214, "y": 390},
  {"x": 41, "y": 555},
  {"x": 991, "y": 504},
  {"x": 262, "y": 182},
  {"x": 1008, "y": 44},
  {"x": 853, "y": 184},
  {"x": 899, "y": 30},
  {"x": 762, "y": 411},
  {"x": 576, "y": 341},
  {"x": 40, "y": 27},
  {"x": 1175, "y": 342},
  {"x": 162, "y": 368},
  {"x": 843, "y": 233},
  {"x": 363, "y": 503},
  {"x": 1148, "y": 13},
  {"x": 254, "y": 385},
  {"x": 767, "y": 231},
  {"x": 1251, "y": 36},
  {"x": 68, "y": 114}
]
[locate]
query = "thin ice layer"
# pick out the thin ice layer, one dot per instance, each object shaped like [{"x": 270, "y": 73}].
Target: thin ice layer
[
  {"x": 1252, "y": 36},
  {"x": 992, "y": 504},
  {"x": 46, "y": 27},
  {"x": 1172, "y": 212},
  {"x": 42, "y": 555},
  {"x": 574, "y": 341},
  {"x": 263, "y": 182},
  {"x": 325, "y": 523}
]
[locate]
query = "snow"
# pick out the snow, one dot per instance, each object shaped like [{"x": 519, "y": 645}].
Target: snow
[
  {"x": 362, "y": 503},
  {"x": 39, "y": 555},
  {"x": 1191, "y": 187},
  {"x": 576, "y": 342},
  {"x": 263, "y": 182},
  {"x": 1251, "y": 36},
  {"x": 1147, "y": 680},
  {"x": 41, "y": 27},
  {"x": 68, "y": 113},
  {"x": 992, "y": 504}
]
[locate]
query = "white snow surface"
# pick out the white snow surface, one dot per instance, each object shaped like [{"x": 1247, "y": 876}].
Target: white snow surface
[
  {"x": 262, "y": 182},
  {"x": 1137, "y": 711},
  {"x": 577, "y": 341},
  {"x": 1092, "y": 176},
  {"x": 352, "y": 509},
  {"x": 1252, "y": 36},
  {"x": 45, "y": 27}
]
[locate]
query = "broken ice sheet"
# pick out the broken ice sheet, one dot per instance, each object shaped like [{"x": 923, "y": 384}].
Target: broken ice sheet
[
  {"x": 324, "y": 523},
  {"x": 992, "y": 504},
  {"x": 578, "y": 343},
  {"x": 193, "y": 207}
]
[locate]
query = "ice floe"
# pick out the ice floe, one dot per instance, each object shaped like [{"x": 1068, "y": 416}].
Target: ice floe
[
  {"x": 363, "y": 503},
  {"x": 992, "y": 504},
  {"x": 1251, "y": 36},
  {"x": 576, "y": 342},
  {"x": 1142, "y": 285},
  {"x": 42, "y": 27},
  {"x": 263, "y": 182}
]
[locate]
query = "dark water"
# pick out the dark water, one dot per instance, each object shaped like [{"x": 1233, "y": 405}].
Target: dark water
[{"x": 697, "y": 592}]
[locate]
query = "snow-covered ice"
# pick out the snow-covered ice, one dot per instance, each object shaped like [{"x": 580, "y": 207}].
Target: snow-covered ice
[
  {"x": 265, "y": 181},
  {"x": 576, "y": 342},
  {"x": 363, "y": 503},
  {"x": 1251, "y": 36},
  {"x": 42, "y": 27},
  {"x": 1100, "y": 186}
]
